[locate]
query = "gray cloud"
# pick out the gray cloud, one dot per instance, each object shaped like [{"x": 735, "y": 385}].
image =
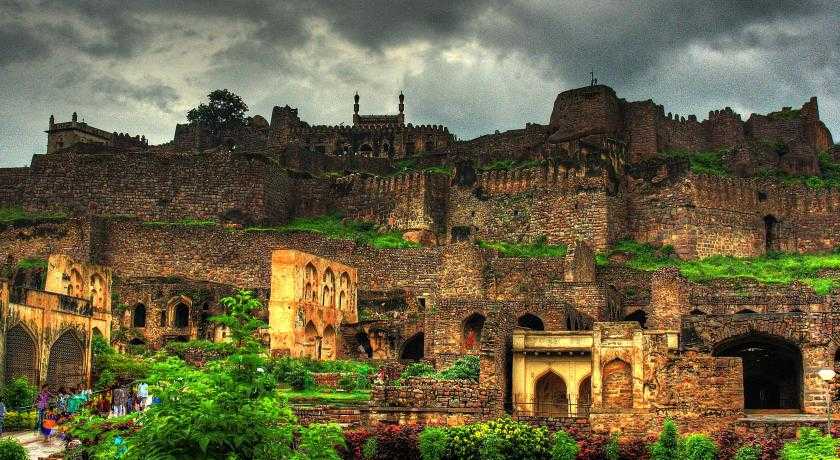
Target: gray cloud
[{"x": 475, "y": 66}]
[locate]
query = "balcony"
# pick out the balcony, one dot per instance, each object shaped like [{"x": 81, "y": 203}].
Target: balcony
[{"x": 51, "y": 301}]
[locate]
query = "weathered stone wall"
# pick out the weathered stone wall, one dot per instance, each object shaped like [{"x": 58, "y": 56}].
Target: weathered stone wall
[
  {"x": 71, "y": 237},
  {"x": 12, "y": 182},
  {"x": 433, "y": 402}
]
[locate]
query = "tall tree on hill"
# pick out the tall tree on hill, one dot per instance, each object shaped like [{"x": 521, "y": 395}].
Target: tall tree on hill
[{"x": 225, "y": 110}]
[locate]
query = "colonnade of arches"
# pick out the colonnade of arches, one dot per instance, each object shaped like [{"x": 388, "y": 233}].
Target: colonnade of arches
[
  {"x": 65, "y": 360},
  {"x": 321, "y": 345},
  {"x": 328, "y": 289}
]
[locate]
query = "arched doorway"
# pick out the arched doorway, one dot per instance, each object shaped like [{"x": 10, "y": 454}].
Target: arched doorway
[
  {"x": 413, "y": 349},
  {"x": 532, "y": 322},
  {"x": 617, "y": 387},
  {"x": 138, "y": 316},
  {"x": 66, "y": 363},
  {"x": 770, "y": 232},
  {"x": 772, "y": 370},
  {"x": 182, "y": 316},
  {"x": 20, "y": 358},
  {"x": 163, "y": 318},
  {"x": 638, "y": 316},
  {"x": 550, "y": 395},
  {"x": 312, "y": 343},
  {"x": 584, "y": 399},
  {"x": 471, "y": 333},
  {"x": 328, "y": 344},
  {"x": 136, "y": 341},
  {"x": 364, "y": 345}
]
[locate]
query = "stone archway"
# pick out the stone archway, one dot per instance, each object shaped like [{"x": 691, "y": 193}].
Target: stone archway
[
  {"x": 181, "y": 316},
  {"x": 328, "y": 343},
  {"x": 138, "y": 316},
  {"x": 584, "y": 396},
  {"x": 551, "y": 396},
  {"x": 530, "y": 321},
  {"x": 312, "y": 342},
  {"x": 773, "y": 370},
  {"x": 414, "y": 348},
  {"x": 66, "y": 363},
  {"x": 617, "y": 385},
  {"x": 638, "y": 316},
  {"x": 21, "y": 358},
  {"x": 471, "y": 332}
]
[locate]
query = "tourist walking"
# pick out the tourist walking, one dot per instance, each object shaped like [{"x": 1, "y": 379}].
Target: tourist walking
[
  {"x": 2, "y": 416},
  {"x": 119, "y": 397},
  {"x": 42, "y": 402},
  {"x": 143, "y": 395}
]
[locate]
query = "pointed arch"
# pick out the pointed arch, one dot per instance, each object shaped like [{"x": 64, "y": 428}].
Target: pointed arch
[
  {"x": 310, "y": 277},
  {"x": 76, "y": 287},
  {"x": 551, "y": 397},
  {"x": 138, "y": 316},
  {"x": 617, "y": 384},
  {"x": 97, "y": 290},
  {"x": 328, "y": 343},
  {"x": 584, "y": 396},
  {"x": 311, "y": 345},
  {"x": 471, "y": 329},
  {"x": 364, "y": 344},
  {"x": 181, "y": 315},
  {"x": 530, "y": 321},
  {"x": 21, "y": 358},
  {"x": 328, "y": 290},
  {"x": 414, "y": 348},
  {"x": 66, "y": 361},
  {"x": 639, "y": 316}
]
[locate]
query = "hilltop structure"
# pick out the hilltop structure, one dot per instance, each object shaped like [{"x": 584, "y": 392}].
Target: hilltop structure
[{"x": 561, "y": 339}]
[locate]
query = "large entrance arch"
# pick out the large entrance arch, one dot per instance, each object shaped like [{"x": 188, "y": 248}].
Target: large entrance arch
[
  {"x": 772, "y": 370},
  {"x": 530, "y": 321},
  {"x": 413, "y": 349},
  {"x": 550, "y": 395},
  {"x": 20, "y": 355},
  {"x": 66, "y": 364}
]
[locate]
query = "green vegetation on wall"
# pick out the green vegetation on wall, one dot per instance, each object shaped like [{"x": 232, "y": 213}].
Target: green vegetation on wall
[
  {"x": 509, "y": 165},
  {"x": 773, "y": 268},
  {"x": 17, "y": 216},
  {"x": 334, "y": 227},
  {"x": 182, "y": 223},
  {"x": 708, "y": 163},
  {"x": 410, "y": 165},
  {"x": 538, "y": 249}
]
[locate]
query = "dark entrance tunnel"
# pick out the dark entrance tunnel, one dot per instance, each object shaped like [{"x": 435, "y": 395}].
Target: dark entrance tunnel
[{"x": 772, "y": 371}]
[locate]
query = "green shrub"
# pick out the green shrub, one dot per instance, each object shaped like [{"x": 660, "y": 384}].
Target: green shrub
[
  {"x": 708, "y": 163},
  {"x": 699, "y": 447},
  {"x": 300, "y": 378},
  {"x": 538, "y": 249},
  {"x": 493, "y": 447},
  {"x": 565, "y": 448},
  {"x": 612, "y": 449},
  {"x": 668, "y": 446},
  {"x": 434, "y": 443},
  {"x": 19, "y": 394},
  {"x": 466, "y": 368},
  {"x": 333, "y": 226},
  {"x": 369, "y": 448},
  {"x": 810, "y": 445},
  {"x": 417, "y": 370},
  {"x": 347, "y": 382},
  {"x": 10, "y": 449},
  {"x": 748, "y": 453},
  {"x": 20, "y": 421},
  {"x": 516, "y": 440}
]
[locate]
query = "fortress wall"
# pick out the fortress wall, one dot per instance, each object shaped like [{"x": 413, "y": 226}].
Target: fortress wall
[
  {"x": 151, "y": 187},
  {"x": 514, "y": 278},
  {"x": 681, "y": 134},
  {"x": 512, "y": 144},
  {"x": 12, "y": 182},
  {"x": 243, "y": 258},
  {"x": 524, "y": 205},
  {"x": 764, "y": 128},
  {"x": 640, "y": 128},
  {"x": 71, "y": 238}
]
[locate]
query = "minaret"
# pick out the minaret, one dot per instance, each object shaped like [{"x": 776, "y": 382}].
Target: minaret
[
  {"x": 75, "y": 117},
  {"x": 356, "y": 105},
  {"x": 52, "y": 121},
  {"x": 402, "y": 100}
]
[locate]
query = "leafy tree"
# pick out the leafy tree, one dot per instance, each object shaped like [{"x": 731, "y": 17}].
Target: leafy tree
[
  {"x": 811, "y": 445},
  {"x": 18, "y": 394},
  {"x": 668, "y": 447},
  {"x": 225, "y": 110},
  {"x": 699, "y": 447},
  {"x": 434, "y": 443}
]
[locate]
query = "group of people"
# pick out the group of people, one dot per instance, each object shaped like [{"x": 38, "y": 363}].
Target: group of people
[{"x": 123, "y": 400}]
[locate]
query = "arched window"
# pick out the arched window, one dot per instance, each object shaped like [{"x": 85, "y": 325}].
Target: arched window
[
  {"x": 97, "y": 291},
  {"x": 770, "y": 233},
  {"x": 76, "y": 284},
  {"x": 312, "y": 342},
  {"x": 310, "y": 292},
  {"x": 21, "y": 360},
  {"x": 364, "y": 344},
  {"x": 617, "y": 384},
  {"x": 471, "y": 332},
  {"x": 328, "y": 295},
  {"x": 550, "y": 395},
  {"x": 532, "y": 322},
  {"x": 414, "y": 348},
  {"x": 182, "y": 316},
  {"x": 66, "y": 362},
  {"x": 138, "y": 317},
  {"x": 772, "y": 370},
  {"x": 328, "y": 343},
  {"x": 584, "y": 399},
  {"x": 638, "y": 316}
]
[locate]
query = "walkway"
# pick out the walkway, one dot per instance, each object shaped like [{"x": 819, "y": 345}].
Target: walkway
[{"x": 32, "y": 443}]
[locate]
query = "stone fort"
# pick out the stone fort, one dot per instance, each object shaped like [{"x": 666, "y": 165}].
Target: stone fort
[{"x": 560, "y": 339}]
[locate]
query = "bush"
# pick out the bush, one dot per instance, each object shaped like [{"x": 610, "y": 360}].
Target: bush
[
  {"x": 811, "y": 445},
  {"x": 699, "y": 447},
  {"x": 20, "y": 421},
  {"x": 668, "y": 446},
  {"x": 392, "y": 441},
  {"x": 565, "y": 448},
  {"x": 538, "y": 249},
  {"x": 466, "y": 368},
  {"x": 10, "y": 449},
  {"x": 434, "y": 442},
  {"x": 417, "y": 370},
  {"x": 748, "y": 453},
  {"x": 369, "y": 449},
  {"x": 19, "y": 394},
  {"x": 612, "y": 450},
  {"x": 347, "y": 382}
]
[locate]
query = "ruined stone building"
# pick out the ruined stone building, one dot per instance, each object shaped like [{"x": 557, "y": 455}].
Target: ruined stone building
[{"x": 559, "y": 338}]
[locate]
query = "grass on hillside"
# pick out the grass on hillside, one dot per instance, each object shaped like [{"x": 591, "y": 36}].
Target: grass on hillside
[
  {"x": 509, "y": 165},
  {"x": 830, "y": 177},
  {"x": 538, "y": 249},
  {"x": 410, "y": 165},
  {"x": 182, "y": 223},
  {"x": 333, "y": 226},
  {"x": 709, "y": 162},
  {"x": 326, "y": 396},
  {"x": 784, "y": 114},
  {"x": 15, "y": 215},
  {"x": 773, "y": 268}
]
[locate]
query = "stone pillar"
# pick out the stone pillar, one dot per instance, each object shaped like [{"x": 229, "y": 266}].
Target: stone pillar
[{"x": 668, "y": 299}]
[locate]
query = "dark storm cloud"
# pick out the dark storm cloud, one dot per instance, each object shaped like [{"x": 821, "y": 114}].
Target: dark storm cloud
[{"x": 512, "y": 56}]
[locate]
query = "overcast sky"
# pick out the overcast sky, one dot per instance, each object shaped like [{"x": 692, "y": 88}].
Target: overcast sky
[{"x": 474, "y": 66}]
